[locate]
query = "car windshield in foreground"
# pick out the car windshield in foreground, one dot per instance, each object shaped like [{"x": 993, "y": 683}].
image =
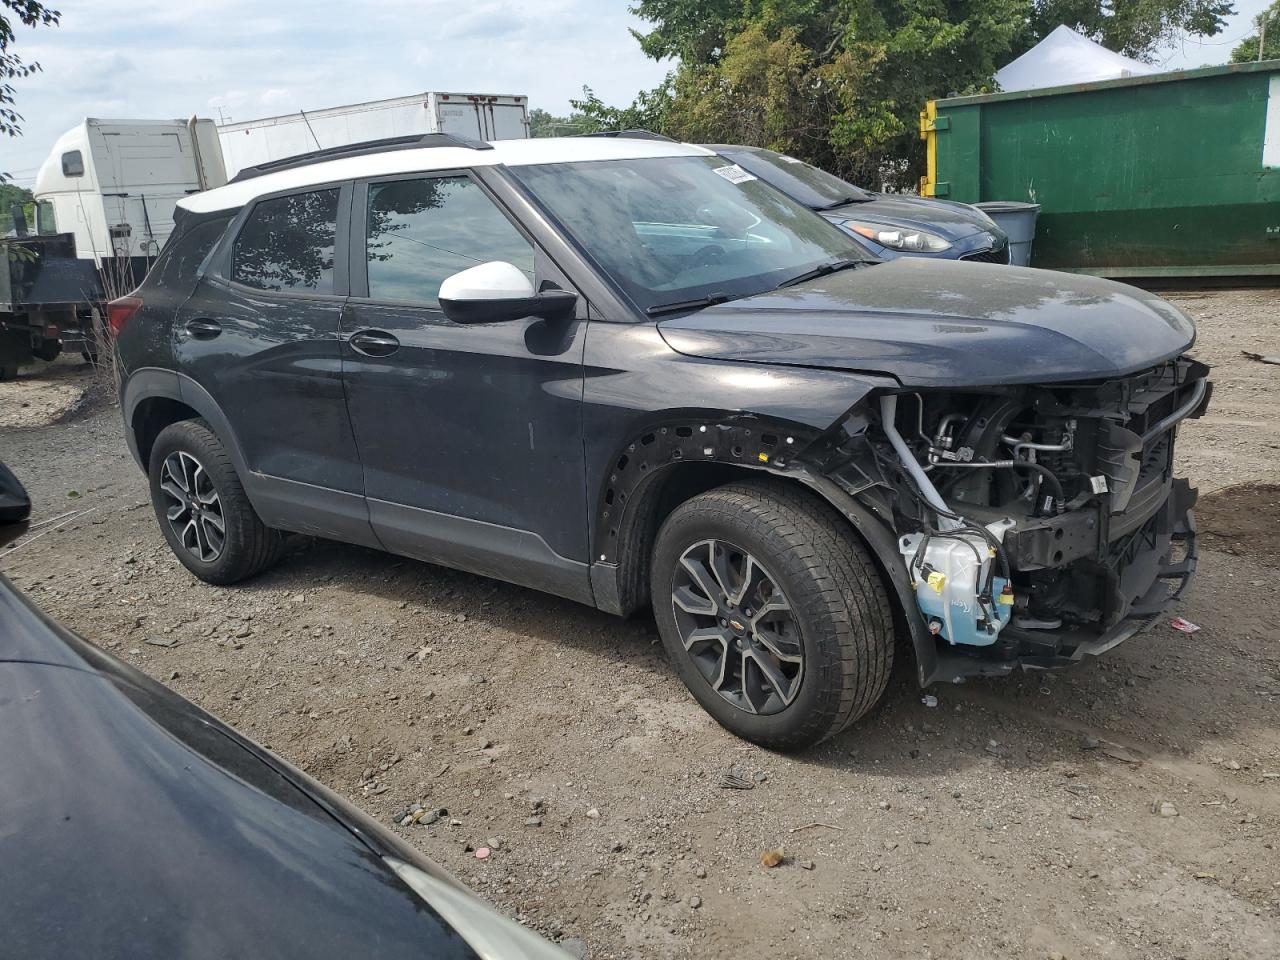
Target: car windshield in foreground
[
  {"x": 816, "y": 189},
  {"x": 684, "y": 232}
]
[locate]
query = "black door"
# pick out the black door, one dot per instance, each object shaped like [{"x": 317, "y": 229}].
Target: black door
[
  {"x": 259, "y": 336},
  {"x": 470, "y": 435}
]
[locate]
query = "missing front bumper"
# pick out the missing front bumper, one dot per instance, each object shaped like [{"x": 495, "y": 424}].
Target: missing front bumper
[{"x": 1147, "y": 587}]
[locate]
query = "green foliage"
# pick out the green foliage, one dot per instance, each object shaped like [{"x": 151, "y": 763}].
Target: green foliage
[
  {"x": 1248, "y": 48},
  {"x": 841, "y": 82},
  {"x": 1135, "y": 28},
  {"x": 591, "y": 115},
  {"x": 645, "y": 113},
  {"x": 9, "y": 195},
  {"x": 544, "y": 124},
  {"x": 29, "y": 13}
]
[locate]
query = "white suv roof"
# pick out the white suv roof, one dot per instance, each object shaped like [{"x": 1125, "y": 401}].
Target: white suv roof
[{"x": 513, "y": 153}]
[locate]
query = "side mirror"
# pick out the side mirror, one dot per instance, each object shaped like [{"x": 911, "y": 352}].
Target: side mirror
[
  {"x": 498, "y": 291},
  {"x": 15, "y": 507}
]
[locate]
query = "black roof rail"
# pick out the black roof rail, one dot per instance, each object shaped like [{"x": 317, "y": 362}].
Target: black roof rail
[
  {"x": 630, "y": 135},
  {"x": 365, "y": 148}
]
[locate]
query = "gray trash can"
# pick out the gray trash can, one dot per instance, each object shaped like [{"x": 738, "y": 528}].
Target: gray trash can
[{"x": 1018, "y": 220}]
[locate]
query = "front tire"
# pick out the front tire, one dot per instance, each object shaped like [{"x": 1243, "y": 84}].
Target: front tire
[
  {"x": 202, "y": 508},
  {"x": 773, "y": 613}
]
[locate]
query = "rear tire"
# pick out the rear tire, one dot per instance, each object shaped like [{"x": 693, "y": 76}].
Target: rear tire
[
  {"x": 202, "y": 508},
  {"x": 805, "y": 623},
  {"x": 15, "y": 350}
]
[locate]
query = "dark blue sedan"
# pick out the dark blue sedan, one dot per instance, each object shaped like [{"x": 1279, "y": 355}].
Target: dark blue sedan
[{"x": 890, "y": 225}]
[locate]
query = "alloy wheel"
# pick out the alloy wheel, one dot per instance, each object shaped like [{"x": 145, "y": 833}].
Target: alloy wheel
[
  {"x": 193, "y": 507},
  {"x": 737, "y": 627}
]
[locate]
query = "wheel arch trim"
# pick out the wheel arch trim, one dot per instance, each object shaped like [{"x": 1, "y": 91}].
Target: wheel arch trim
[
  {"x": 620, "y": 518},
  {"x": 149, "y": 383}
]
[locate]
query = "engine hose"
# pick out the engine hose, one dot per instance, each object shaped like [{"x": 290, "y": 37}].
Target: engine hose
[
  {"x": 1055, "y": 485},
  {"x": 959, "y": 524},
  {"x": 888, "y": 414},
  {"x": 1047, "y": 475},
  {"x": 964, "y": 525}
]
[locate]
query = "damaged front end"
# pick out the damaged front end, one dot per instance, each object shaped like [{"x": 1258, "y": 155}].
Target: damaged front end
[{"x": 1036, "y": 523}]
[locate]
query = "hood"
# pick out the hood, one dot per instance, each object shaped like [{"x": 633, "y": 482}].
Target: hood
[
  {"x": 944, "y": 323},
  {"x": 951, "y": 221},
  {"x": 142, "y": 827}
]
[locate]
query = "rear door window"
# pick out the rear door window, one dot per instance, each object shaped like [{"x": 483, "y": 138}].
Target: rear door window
[
  {"x": 423, "y": 230},
  {"x": 288, "y": 244}
]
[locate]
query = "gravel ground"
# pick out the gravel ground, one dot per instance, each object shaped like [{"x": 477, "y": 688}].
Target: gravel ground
[{"x": 1127, "y": 808}]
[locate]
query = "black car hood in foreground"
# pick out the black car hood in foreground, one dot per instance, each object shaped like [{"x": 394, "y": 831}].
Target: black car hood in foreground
[
  {"x": 951, "y": 221},
  {"x": 944, "y": 323},
  {"x": 137, "y": 826}
]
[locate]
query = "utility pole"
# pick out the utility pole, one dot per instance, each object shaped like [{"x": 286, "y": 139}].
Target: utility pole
[{"x": 1262, "y": 33}]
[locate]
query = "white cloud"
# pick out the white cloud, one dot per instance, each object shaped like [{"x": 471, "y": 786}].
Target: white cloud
[{"x": 156, "y": 58}]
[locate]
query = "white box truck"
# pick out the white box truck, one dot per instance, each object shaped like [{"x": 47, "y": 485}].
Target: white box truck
[
  {"x": 480, "y": 116},
  {"x": 114, "y": 184}
]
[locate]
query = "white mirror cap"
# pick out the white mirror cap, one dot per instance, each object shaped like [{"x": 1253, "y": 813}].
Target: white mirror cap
[{"x": 495, "y": 280}]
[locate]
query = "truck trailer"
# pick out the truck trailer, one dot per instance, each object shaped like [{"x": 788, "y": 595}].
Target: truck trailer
[
  {"x": 114, "y": 184},
  {"x": 477, "y": 116}
]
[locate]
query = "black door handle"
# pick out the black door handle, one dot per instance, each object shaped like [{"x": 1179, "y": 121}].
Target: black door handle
[
  {"x": 203, "y": 328},
  {"x": 374, "y": 343}
]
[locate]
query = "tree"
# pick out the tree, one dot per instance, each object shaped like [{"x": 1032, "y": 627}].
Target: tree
[
  {"x": 544, "y": 124},
  {"x": 29, "y": 13},
  {"x": 9, "y": 195},
  {"x": 841, "y": 82},
  {"x": 1268, "y": 20},
  {"x": 646, "y": 112},
  {"x": 592, "y": 115},
  {"x": 1136, "y": 28}
]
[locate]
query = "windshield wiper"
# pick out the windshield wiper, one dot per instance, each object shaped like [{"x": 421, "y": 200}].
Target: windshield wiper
[
  {"x": 821, "y": 270},
  {"x": 843, "y": 201},
  {"x": 709, "y": 300}
]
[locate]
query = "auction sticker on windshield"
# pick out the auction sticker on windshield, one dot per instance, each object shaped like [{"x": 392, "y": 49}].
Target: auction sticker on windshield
[{"x": 734, "y": 173}]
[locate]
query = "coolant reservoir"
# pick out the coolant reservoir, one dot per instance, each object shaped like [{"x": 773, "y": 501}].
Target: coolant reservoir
[{"x": 948, "y": 577}]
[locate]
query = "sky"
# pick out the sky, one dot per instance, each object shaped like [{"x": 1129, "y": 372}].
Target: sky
[
  {"x": 244, "y": 59},
  {"x": 133, "y": 59}
]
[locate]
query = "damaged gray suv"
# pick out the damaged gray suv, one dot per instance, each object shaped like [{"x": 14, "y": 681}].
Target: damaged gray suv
[{"x": 629, "y": 373}]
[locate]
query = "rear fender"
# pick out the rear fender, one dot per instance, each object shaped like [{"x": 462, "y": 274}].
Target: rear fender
[{"x": 150, "y": 382}]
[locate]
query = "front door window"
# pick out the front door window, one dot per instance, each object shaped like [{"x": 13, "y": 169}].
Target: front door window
[{"x": 422, "y": 231}]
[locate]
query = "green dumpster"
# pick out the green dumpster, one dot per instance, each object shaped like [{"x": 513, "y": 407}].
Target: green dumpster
[{"x": 1169, "y": 175}]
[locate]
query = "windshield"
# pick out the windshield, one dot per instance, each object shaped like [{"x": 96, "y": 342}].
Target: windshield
[
  {"x": 673, "y": 229},
  {"x": 816, "y": 189}
]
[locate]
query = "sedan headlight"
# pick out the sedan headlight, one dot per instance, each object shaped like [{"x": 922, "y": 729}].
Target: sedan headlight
[
  {"x": 895, "y": 238},
  {"x": 490, "y": 934}
]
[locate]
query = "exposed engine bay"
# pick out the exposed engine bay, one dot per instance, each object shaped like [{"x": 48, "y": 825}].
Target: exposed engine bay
[{"x": 1036, "y": 523}]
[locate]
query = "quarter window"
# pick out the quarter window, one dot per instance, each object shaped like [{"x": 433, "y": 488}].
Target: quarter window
[
  {"x": 422, "y": 231},
  {"x": 287, "y": 244},
  {"x": 72, "y": 164}
]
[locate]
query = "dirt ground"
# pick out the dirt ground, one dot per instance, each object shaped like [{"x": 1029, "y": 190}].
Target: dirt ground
[{"x": 1127, "y": 808}]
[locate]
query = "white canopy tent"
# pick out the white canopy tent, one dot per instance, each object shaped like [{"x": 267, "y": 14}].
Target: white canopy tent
[{"x": 1065, "y": 57}]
